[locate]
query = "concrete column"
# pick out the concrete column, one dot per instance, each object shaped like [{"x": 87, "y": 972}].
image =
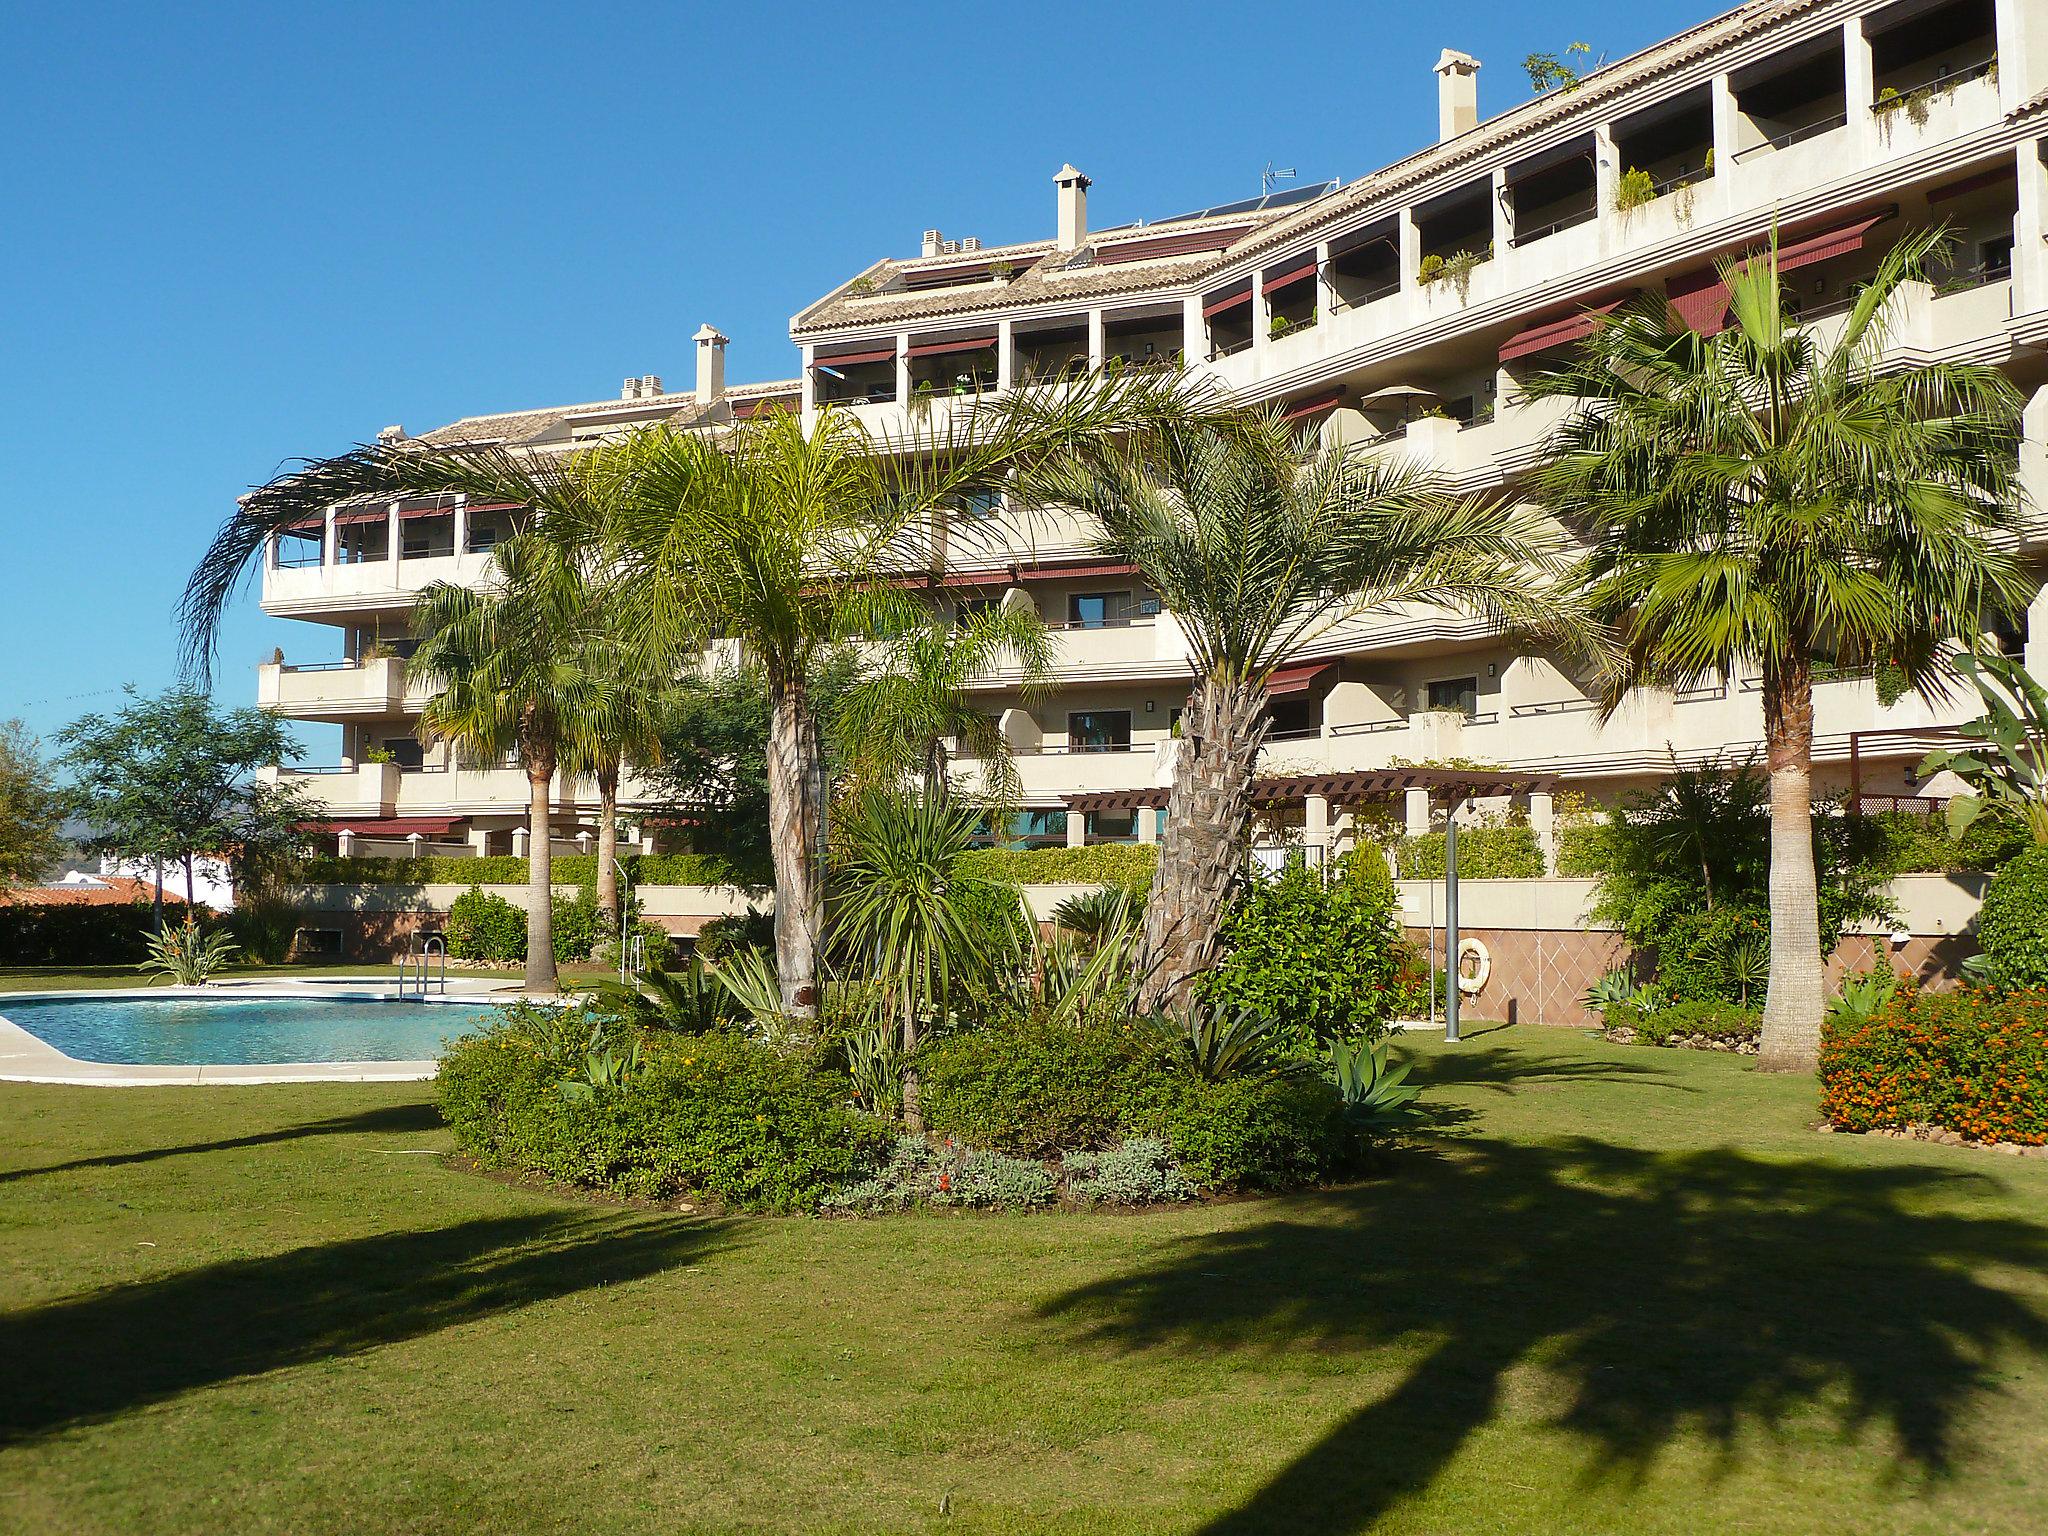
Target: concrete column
[
  {"x": 1416, "y": 806},
  {"x": 1006, "y": 354},
  {"x": 1326, "y": 285},
  {"x": 1262, "y": 318},
  {"x": 1316, "y": 821},
  {"x": 1726, "y": 131},
  {"x": 1607, "y": 169},
  {"x": 394, "y": 540},
  {"x": 1098, "y": 348},
  {"x": 1543, "y": 822},
  {"x": 521, "y": 838},
  {"x": 1859, "y": 76},
  {"x": 1503, "y": 214},
  {"x": 327, "y": 542},
  {"x": 345, "y": 843},
  {"x": 1194, "y": 330},
  {"x": 462, "y": 525},
  {"x": 1410, "y": 236},
  {"x": 1148, "y": 824},
  {"x": 2022, "y": 51},
  {"x": 2030, "y": 230},
  {"x": 810, "y": 381},
  {"x": 1077, "y": 829},
  {"x": 479, "y": 840},
  {"x": 903, "y": 369}
]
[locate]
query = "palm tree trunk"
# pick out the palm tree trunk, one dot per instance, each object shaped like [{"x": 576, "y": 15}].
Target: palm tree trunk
[
  {"x": 608, "y": 848},
  {"x": 1797, "y": 998},
  {"x": 540, "y": 876},
  {"x": 793, "y": 841},
  {"x": 1202, "y": 854}
]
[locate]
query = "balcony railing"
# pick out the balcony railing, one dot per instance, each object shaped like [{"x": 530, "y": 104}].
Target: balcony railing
[
  {"x": 1797, "y": 135},
  {"x": 1370, "y": 296},
  {"x": 1585, "y": 215},
  {"x": 1927, "y": 90}
]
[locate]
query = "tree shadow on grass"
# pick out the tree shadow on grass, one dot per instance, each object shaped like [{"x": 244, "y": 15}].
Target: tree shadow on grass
[
  {"x": 1505, "y": 1067},
  {"x": 93, "y": 1356},
  {"x": 387, "y": 1120},
  {"x": 1700, "y": 1295}
]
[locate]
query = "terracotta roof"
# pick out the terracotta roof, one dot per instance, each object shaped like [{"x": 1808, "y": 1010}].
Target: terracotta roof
[
  {"x": 107, "y": 891},
  {"x": 679, "y": 408}
]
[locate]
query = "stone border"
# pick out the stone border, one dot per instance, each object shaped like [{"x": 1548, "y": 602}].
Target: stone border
[
  {"x": 26, "y": 1058},
  {"x": 1941, "y": 1136}
]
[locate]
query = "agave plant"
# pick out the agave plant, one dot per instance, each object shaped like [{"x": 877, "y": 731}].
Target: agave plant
[
  {"x": 1616, "y": 989},
  {"x": 1863, "y": 994},
  {"x": 187, "y": 955},
  {"x": 604, "y": 1067},
  {"x": 1374, "y": 1093},
  {"x": 1221, "y": 1043},
  {"x": 750, "y": 977}
]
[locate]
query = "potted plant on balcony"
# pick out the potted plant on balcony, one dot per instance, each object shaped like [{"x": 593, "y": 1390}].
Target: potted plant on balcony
[{"x": 1634, "y": 189}]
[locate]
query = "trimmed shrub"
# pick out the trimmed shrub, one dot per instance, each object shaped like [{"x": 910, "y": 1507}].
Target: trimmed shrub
[
  {"x": 1973, "y": 1062},
  {"x": 1582, "y": 851},
  {"x": 484, "y": 926},
  {"x": 505, "y": 869},
  {"x": 710, "y": 1114},
  {"x": 1920, "y": 844},
  {"x": 1130, "y": 865},
  {"x": 723, "y": 936},
  {"x": 2012, "y": 925},
  {"x": 1321, "y": 959},
  {"x": 1266, "y": 1132},
  {"x": 1033, "y": 1087},
  {"x": 1484, "y": 853},
  {"x": 1699, "y": 1024},
  {"x": 573, "y": 921}
]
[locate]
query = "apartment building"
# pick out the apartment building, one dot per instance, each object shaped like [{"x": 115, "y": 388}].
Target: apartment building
[{"x": 1401, "y": 310}]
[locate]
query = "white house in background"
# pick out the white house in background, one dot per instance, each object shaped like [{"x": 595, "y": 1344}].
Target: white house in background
[{"x": 212, "y": 884}]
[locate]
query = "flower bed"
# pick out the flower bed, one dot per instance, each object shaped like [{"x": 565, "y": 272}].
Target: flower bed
[
  {"x": 1694, "y": 1026},
  {"x": 1974, "y": 1063}
]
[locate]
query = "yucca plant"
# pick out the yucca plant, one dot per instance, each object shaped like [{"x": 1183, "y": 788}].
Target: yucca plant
[{"x": 186, "y": 955}]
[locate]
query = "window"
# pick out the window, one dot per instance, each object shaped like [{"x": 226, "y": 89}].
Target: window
[
  {"x": 1099, "y": 730},
  {"x": 1033, "y": 829},
  {"x": 362, "y": 543},
  {"x": 1458, "y": 693},
  {"x": 297, "y": 547},
  {"x": 977, "y": 506},
  {"x": 426, "y": 538},
  {"x": 1995, "y": 257},
  {"x": 312, "y": 942},
  {"x": 1099, "y": 610},
  {"x": 488, "y": 528},
  {"x": 1112, "y": 826},
  {"x": 404, "y": 751}
]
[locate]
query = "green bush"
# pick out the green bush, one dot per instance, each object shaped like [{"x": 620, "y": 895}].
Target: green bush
[
  {"x": 1582, "y": 851},
  {"x": 264, "y": 928},
  {"x": 66, "y": 933},
  {"x": 1974, "y": 1062},
  {"x": 2012, "y": 925},
  {"x": 574, "y": 923},
  {"x": 1704, "y": 1021},
  {"x": 723, "y": 936},
  {"x": 1917, "y": 844},
  {"x": 714, "y": 1115},
  {"x": 1034, "y": 1087},
  {"x": 485, "y": 926},
  {"x": 1129, "y": 865},
  {"x": 1701, "y": 955},
  {"x": 1484, "y": 853},
  {"x": 1320, "y": 958}
]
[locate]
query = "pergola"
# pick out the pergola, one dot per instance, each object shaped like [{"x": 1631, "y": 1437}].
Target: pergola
[{"x": 1320, "y": 791}]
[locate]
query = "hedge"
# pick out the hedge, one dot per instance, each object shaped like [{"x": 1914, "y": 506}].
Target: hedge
[
  {"x": 505, "y": 869},
  {"x": 1484, "y": 853},
  {"x": 1701, "y": 1023},
  {"x": 70, "y": 933},
  {"x": 1582, "y": 851},
  {"x": 2012, "y": 925},
  {"x": 1920, "y": 844},
  {"x": 1974, "y": 1062},
  {"x": 1129, "y": 865}
]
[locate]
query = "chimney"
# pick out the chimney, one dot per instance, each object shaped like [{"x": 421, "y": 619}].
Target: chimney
[
  {"x": 1073, "y": 190},
  {"x": 934, "y": 243},
  {"x": 390, "y": 435},
  {"x": 630, "y": 390},
  {"x": 710, "y": 364},
  {"x": 1457, "y": 94}
]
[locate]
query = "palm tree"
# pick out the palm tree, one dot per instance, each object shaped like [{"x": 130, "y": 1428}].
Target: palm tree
[
  {"x": 622, "y": 727},
  {"x": 1767, "y": 499},
  {"x": 1257, "y": 542},
  {"x": 913, "y": 697},
  {"x": 521, "y": 665}
]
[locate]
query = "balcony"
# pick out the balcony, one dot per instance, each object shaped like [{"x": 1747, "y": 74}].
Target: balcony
[{"x": 337, "y": 690}]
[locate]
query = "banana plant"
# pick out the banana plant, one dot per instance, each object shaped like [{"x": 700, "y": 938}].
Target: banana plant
[{"x": 2007, "y": 769}]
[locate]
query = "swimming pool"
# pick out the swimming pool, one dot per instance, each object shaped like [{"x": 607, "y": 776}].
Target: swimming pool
[{"x": 205, "y": 1031}]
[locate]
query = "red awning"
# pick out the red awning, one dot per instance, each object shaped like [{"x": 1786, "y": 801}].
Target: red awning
[
  {"x": 394, "y": 826},
  {"x": 1701, "y": 298},
  {"x": 848, "y": 359},
  {"x": 310, "y": 525},
  {"x": 362, "y": 515},
  {"x": 1313, "y": 405},
  {"x": 447, "y": 511},
  {"x": 1554, "y": 333},
  {"x": 1016, "y": 574},
  {"x": 744, "y": 409},
  {"x": 1290, "y": 274},
  {"x": 1296, "y": 679},
  {"x": 1215, "y": 307},
  {"x": 943, "y": 348}
]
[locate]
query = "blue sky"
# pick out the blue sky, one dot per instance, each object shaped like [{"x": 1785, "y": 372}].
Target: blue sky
[{"x": 240, "y": 234}]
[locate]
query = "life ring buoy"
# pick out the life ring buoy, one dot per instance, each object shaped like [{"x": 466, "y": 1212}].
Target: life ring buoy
[{"x": 1482, "y": 966}]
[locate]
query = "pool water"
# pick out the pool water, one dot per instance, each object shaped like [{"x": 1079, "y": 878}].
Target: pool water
[{"x": 242, "y": 1031}]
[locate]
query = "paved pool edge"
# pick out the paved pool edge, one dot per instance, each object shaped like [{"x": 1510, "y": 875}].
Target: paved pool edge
[{"x": 27, "y": 1058}]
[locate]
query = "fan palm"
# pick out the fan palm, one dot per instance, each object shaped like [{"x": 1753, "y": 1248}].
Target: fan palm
[
  {"x": 1259, "y": 543},
  {"x": 520, "y": 665},
  {"x": 1768, "y": 499}
]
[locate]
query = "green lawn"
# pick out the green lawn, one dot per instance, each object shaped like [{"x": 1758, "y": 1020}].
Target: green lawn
[{"x": 1629, "y": 1291}]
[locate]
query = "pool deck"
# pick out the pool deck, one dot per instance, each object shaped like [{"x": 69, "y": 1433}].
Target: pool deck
[{"x": 26, "y": 1059}]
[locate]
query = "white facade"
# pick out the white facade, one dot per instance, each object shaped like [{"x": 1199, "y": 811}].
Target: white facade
[{"x": 1404, "y": 308}]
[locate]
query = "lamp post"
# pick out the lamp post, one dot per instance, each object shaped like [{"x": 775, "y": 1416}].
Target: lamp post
[
  {"x": 1451, "y": 966},
  {"x": 625, "y": 920}
]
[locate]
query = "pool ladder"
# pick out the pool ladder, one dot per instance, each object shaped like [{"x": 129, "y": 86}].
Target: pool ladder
[{"x": 414, "y": 973}]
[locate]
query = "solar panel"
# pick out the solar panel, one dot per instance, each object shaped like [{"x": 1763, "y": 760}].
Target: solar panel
[{"x": 1265, "y": 204}]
